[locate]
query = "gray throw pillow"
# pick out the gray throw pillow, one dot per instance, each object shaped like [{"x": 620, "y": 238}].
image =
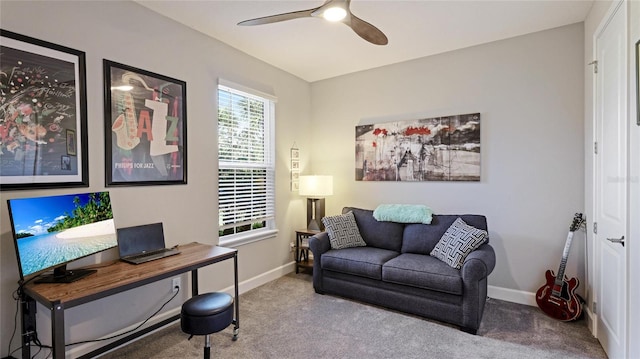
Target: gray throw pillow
[
  {"x": 457, "y": 242},
  {"x": 343, "y": 231}
]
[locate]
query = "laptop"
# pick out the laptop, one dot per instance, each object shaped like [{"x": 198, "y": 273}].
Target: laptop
[{"x": 144, "y": 243}]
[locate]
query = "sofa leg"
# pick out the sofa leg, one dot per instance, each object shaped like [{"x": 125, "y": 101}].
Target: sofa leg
[
  {"x": 469, "y": 330},
  {"x": 319, "y": 291}
]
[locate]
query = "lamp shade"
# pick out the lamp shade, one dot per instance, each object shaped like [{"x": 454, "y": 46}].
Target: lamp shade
[{"x": 316, "y": 186}]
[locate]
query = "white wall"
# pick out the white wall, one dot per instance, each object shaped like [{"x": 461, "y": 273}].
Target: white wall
[
  {"x": 131, "y": 34},
  {"x": 529, "y": 91}
]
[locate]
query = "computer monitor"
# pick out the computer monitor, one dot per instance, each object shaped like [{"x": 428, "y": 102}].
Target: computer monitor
[{"x": 49, "y": 232}]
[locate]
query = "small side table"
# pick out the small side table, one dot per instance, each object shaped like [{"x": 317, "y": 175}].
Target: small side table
[{"x": 302, "y": 250}]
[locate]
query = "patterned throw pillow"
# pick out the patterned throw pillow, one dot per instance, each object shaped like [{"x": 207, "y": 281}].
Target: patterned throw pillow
[
  {"x": 457, "y": 242},
  {"x": 343, "y": 231}
]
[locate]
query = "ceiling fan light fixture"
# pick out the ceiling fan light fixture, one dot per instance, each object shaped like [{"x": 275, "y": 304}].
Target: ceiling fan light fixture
[{"x": 334, "y": 14}]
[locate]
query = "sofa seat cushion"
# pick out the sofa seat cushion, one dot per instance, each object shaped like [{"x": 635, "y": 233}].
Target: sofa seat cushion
[
  {"x": 360, "y": 261},
  {"x": 422, "y": 271}
]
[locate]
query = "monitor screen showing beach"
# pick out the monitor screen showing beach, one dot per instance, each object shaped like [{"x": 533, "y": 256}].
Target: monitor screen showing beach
[{"x": 52, "y": 231}]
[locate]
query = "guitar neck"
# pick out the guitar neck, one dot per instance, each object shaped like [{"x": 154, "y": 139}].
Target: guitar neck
[{"x": 565, "y": 255}]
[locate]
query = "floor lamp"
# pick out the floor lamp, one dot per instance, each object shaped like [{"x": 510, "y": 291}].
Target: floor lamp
[{"x": 315, "y": 188}]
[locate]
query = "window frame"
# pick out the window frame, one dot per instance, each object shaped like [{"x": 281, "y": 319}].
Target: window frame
[{"x": 269, "y": 230}]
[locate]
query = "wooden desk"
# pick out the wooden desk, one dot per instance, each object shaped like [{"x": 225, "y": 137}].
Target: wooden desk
[{"x": 117, "y": 278}]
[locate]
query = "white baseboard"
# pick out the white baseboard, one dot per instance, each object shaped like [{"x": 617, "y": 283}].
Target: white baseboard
[
  {"x": 512, "y": 295},
  {"x": 263, "y": 278},
  {"x": 591, "y": 319}
]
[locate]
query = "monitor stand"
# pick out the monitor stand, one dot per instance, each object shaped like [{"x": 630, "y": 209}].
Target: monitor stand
[{"x": 62, "y": 275}]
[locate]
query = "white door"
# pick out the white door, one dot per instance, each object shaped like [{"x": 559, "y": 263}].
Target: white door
[{"x": 611, "y": 181}]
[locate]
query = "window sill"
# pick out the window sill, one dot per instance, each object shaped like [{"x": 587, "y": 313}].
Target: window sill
[{"x": 241, "y": 239}]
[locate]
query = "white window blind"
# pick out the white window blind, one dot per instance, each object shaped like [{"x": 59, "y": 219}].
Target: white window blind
[{"x": 246, "y": 169}]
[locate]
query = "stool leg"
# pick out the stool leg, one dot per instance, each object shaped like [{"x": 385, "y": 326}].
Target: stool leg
[{"x": 207, "y": 346}]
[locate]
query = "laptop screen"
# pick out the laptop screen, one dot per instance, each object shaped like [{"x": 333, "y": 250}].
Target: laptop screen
[{"x": 140, "y": 239}]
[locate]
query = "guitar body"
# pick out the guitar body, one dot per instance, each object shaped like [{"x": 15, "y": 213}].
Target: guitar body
[
  {"x": 562, "y": 303},
  {"x": 557, "y": 298}
]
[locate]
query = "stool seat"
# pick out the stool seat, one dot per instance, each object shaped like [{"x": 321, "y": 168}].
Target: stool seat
[{"x": 207, "y": 313}]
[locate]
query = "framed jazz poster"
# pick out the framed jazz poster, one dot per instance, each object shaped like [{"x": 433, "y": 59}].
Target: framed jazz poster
[{"x": 145, "y": 127}]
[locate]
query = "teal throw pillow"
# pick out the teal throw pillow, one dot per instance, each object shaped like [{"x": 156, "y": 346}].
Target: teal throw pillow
[{"x": 403, "y": 213}]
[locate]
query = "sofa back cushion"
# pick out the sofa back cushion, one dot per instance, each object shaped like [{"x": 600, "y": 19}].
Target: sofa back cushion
[
  {"x": 422, "y": 238},
  {"x": 385, "y": 235}
]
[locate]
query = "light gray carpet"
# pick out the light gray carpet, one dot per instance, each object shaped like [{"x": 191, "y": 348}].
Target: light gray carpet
[{"x": 287, "y": 319}]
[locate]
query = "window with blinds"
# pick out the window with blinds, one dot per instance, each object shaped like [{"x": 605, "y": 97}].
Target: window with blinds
[{"x": 246, "y": 169}]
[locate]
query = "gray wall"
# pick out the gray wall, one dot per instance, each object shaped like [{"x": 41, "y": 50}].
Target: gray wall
[
  {"x": 128, "y": 33},
  {"x": 529, "y": 91}
]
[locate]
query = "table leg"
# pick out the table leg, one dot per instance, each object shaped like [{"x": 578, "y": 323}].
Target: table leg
[
  {"x": 194, "y": 282},
  {"x": 57, "y": 331},
  {"x": 28, "y": 310},
  {"x": 298, "y": 243},
  {"x": 236, "y": 329}
]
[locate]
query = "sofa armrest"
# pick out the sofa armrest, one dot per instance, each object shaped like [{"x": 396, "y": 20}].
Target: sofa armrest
[
  {"x": 479, "y": 263},
  {"x": 318, "y": 244}
]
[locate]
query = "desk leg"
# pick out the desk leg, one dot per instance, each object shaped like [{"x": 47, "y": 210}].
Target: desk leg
[
  {"x": 194, "y": 282},
  {"x": 28, "y": 308},
  {"x": 236, "y": 329},
  {"x": 57, "y": 331}
]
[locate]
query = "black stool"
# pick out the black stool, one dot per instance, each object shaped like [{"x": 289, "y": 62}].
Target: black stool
[{"x": 205, "y": 314}]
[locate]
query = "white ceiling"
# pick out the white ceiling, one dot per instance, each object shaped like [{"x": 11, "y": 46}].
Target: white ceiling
[{"x": 314, "y": 49}]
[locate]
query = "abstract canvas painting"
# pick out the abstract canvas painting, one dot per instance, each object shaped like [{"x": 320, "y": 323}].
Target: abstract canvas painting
[{"x": 429, "y": 149}]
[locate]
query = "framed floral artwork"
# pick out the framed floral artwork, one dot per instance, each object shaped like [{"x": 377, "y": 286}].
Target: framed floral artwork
[{"x": 43, "y": 114}]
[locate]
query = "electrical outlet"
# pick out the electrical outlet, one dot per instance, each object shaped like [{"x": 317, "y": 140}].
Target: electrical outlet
[
  {"x": 290, "y": 247},
  {"x": 175, "y": 282}
]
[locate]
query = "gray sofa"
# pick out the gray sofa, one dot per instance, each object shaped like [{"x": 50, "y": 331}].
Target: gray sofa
[{"x": 394, "y": 270}]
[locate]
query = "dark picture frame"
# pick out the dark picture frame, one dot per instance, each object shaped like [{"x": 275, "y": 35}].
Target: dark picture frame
[
  {"x": 638, "y": 82},
  {"x": 42, "y": 96},
  {"x": 145, "y": 127}
]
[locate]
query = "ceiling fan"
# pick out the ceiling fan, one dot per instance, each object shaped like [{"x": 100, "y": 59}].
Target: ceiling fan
[{"x": 331, "y": 10}]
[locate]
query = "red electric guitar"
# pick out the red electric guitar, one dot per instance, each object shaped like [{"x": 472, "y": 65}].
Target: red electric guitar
[{"x": 557, "y": 297}]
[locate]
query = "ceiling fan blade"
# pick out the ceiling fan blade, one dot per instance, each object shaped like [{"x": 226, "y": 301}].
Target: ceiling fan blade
[
  {"x": 278, "y": 18},
  {"x": 366, "y": 31}
]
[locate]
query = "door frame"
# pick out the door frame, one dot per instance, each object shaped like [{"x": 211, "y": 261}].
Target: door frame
[{"x": 632, "y": 188}]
